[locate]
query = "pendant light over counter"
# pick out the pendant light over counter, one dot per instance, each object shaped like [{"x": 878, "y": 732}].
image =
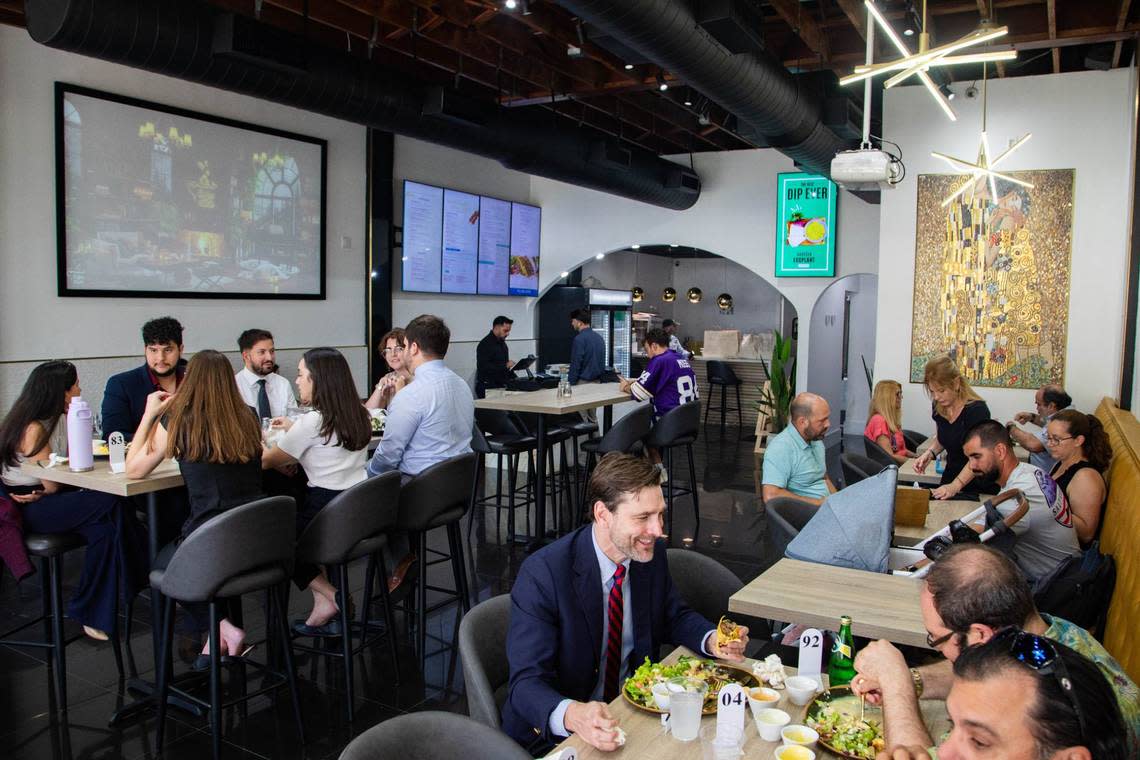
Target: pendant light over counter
[
  {"x": 668, "y": 295},
  {"x": 724, "y": 300},
  {"x": 636, "y": 291},
  {"x": 694, "y": 295}
]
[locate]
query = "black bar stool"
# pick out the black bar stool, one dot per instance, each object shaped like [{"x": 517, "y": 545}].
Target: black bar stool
[
  {"x": 578, "y": 426},
  {"x": 721, "y": 374},
  {"x": 437, "y": 497},
  {"x": 678, "y": 427},
  {"x": 625, "y": 436},
  {"x": 354, "y": 525},
  {"x": 244, "y": 549},
  {"x": 496, "y": 433},
  {"x": 555, "y": 434}
]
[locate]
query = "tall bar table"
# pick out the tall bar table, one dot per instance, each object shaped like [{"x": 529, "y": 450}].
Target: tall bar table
[{"x": 546, "y": 402}]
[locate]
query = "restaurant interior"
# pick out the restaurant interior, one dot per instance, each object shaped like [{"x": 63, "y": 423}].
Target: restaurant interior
[{"x": 292, "y": 166}]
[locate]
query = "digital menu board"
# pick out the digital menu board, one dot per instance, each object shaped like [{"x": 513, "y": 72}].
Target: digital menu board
[
  {"x": 460, "y": 241},
  {"x": 456, "y": 242},
  {"x": 525, "y": 224},
  {"x": 423, "y": 237},
  {"x": 494, "y": 245}
]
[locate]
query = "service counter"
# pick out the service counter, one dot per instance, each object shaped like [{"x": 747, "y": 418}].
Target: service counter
[{"x": 752, "y": 376}]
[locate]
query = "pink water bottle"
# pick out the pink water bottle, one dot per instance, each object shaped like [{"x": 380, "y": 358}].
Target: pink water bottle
[{"x": 80, "y": 427}]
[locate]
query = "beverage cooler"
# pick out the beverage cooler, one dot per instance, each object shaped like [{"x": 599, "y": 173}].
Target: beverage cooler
[{"x": 611, "y": 316}]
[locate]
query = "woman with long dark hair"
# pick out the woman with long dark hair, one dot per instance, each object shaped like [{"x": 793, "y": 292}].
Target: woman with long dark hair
[
  {"x": 209, "y": 429},
  {"x": 1082, "y": 450},
  {"x": 34, "y": 429},
  {"x": 330, "y": 443}
]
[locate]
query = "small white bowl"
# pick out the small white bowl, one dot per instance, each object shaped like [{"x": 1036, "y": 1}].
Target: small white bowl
[
  {"x": 661, "y": 695},
  {"x": 794, "y": 752},
  {"x": 801, "y": 689},
  {"x": 801, "y": 736},
  {"x": 770, "y": 722},
  {"x": 761, "y": 697}
]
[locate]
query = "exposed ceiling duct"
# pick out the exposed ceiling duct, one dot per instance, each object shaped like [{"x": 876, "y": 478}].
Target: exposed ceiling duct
[
  {"x": 200, "y": 43},
  {"x": 758, "y": 90}
]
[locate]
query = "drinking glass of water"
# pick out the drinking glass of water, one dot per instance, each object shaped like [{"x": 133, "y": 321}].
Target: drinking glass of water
[{"x": 686, "y": 702}]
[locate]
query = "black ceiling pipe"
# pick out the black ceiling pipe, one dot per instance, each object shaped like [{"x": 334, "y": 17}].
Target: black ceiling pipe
[
  {"x": 203, "y": 44},
  {"x": 755, "y": 88}
]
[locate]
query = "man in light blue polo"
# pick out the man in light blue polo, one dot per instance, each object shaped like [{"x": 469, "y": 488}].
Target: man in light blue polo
[{"x": 794, "y": 462}]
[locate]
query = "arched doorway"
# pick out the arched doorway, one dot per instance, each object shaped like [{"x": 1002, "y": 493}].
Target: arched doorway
[{"x": 841, "y": 357}]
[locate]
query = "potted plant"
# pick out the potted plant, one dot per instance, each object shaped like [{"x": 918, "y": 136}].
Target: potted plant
[{"x": 776, "y": 395}]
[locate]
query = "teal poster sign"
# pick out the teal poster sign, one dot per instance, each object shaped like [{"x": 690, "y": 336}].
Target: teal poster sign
[{"x": 805, "y": 225}]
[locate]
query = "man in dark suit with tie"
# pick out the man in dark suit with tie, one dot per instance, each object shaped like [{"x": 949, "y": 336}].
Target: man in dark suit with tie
[
  {"x": 124, "y": 397},
  {"x": 586, "y": 610}
]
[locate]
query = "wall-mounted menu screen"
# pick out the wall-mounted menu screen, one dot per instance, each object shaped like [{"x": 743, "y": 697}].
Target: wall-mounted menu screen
[
  {"x": 456, "y": 242},
  {"x": 423, "y": 237}
]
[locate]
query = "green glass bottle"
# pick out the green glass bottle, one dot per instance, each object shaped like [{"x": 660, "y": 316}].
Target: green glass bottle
[{"x": 841, "y": 666}]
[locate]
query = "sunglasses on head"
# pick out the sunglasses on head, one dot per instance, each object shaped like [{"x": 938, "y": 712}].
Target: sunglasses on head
[{"x": 1039, "y": 654}]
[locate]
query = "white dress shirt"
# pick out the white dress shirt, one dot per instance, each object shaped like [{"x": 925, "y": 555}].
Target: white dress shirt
[
  {"x": 279, "y": 390},
  {"x": 430, "y": 420}
]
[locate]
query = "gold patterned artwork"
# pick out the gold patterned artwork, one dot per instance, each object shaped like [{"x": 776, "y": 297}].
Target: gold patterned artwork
[{"x": 991, "y": 279}]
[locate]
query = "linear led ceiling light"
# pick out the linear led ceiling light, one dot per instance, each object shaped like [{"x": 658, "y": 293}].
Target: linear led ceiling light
[{"x": 918, "y": 64}]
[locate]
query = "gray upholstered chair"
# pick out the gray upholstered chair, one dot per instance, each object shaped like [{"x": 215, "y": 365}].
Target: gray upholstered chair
[
  {"x": 857, "y": 467},
  {"x": 355, "y": 524},
  {"x": 431, "y": 736},
  {"x": 437, "y": 498},
  {"x": 786, "y": 518},
  {"x": 876, "y": 453},
  {"x": 244, "y": 549},
  {"x": 913, "y": 439},
  {"x": 483, "y": 652},
  {"x": 678, "y": 427},
  {"x": 703, "y": 583}
]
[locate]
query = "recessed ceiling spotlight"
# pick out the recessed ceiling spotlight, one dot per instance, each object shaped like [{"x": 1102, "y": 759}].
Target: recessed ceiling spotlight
[
  {"x": 510, "y": 5},
  {"x": 908, "y": 32},
  {"x": 564, "y": 274},
  {"x": 672, "y": 245},
  {"x": 662, "y": 85},
  {"x": 635, "y": 246},
  {"x": 599, "y": 256},
  {"x": 688, "y": 102},
  {"x": 629, "y": 67}
]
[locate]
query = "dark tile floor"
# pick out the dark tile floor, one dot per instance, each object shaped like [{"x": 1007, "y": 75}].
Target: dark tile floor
[{"x": 732, "y": 531}]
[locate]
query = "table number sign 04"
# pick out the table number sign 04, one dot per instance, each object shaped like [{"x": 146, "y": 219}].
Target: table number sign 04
[{"x": 730, "y": 711}]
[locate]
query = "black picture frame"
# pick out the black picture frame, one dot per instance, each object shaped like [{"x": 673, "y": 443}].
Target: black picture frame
[{"x": 67, "y": 289}]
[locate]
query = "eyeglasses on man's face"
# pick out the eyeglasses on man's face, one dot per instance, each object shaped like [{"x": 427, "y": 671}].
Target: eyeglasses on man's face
[
  {"x": 1053, "y": 440},
  {"x": 934, "y": 643}
]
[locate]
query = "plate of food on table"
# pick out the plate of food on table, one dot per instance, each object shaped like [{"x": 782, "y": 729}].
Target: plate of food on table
[{"x": 845, "y": 724}]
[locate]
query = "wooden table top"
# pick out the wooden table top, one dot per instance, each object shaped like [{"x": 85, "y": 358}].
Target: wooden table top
[
  {"x": 165, "y": 476},
  {"x": 907, "y": 475},
  {"x": 881, "y": 606},
  {"x": 941, "y": 513},
  {"x": 546, "y": 401},
  {"x": 645, "y": 739}
]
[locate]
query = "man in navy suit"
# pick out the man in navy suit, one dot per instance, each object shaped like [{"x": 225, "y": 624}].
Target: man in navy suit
[
  {"x": 571, "y": 641},
  {"x": 124, "y": 398}
]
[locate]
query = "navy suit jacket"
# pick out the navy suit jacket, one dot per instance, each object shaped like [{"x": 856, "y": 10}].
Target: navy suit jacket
[
  {"x": 554, "y": 642},
  {"x": 124, "y": 400}
]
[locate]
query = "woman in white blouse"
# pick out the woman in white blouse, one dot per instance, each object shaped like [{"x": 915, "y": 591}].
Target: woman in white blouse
[{"x": 330, "y": 443}]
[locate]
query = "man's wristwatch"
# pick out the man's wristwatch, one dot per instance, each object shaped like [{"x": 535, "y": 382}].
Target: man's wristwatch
[{"x": 916, "y": 678}]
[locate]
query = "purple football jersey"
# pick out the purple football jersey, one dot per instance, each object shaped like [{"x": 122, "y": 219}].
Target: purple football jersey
[{"x": 668, "y": 380}]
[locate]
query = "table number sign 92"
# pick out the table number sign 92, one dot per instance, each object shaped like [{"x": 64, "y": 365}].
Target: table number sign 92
[{"x": 811, "y": 653}]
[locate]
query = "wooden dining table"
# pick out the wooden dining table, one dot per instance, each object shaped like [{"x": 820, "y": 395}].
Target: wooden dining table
[
  {"x": 940, "y": 515},
  {"x": 881, "y": 606},
  {"x": 165, "y": 476},
  {"x": 645, "y": 739},
  {"x": 547, "y": 403}
]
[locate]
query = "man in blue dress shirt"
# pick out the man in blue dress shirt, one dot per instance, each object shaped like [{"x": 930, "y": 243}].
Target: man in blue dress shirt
[
  {"x": 587, "y": 352},
  {"x": 431, "y": 418}
]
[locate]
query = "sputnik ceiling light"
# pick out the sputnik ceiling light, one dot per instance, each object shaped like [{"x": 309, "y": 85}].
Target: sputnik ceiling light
[
  {"x": 986, "y": 161},
  {"x": 918, "y": 64}
]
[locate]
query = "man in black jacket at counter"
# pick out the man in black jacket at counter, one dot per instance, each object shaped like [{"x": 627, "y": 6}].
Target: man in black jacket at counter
[{"x": 492, "y": 361}]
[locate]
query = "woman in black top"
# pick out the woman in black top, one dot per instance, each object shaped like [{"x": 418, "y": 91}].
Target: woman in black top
[
  {"x": 209, "y": 429},
  {"x": 1082, "y": 450},
  {"x": 957, "y": 408}
]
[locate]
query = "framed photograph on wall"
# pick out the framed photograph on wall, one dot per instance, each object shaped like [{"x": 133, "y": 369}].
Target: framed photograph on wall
[
  {"x": 155, "y": 201},
  {"x": 805, "y": 225}
]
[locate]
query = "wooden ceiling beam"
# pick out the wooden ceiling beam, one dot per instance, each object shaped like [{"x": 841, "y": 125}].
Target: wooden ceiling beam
[
  {"x": 936, "y": 9},
  {"x": 1121, "y": 20},
  {"x": 802, "y": 23},
  {"x": 856, "y": 13}
]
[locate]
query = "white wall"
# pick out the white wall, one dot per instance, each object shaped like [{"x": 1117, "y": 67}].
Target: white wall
[
  {"x": 103, "y": 333},
  {"x": 1080, "y": 120},
  {"x": 735, "y": 218}
]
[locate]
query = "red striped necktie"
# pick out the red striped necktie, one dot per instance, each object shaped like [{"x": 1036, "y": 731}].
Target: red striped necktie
[{"x": 615, "y": 612}]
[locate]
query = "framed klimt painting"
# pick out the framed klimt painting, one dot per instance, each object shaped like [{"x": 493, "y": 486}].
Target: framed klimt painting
[{"x": 991, "y": 277}]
